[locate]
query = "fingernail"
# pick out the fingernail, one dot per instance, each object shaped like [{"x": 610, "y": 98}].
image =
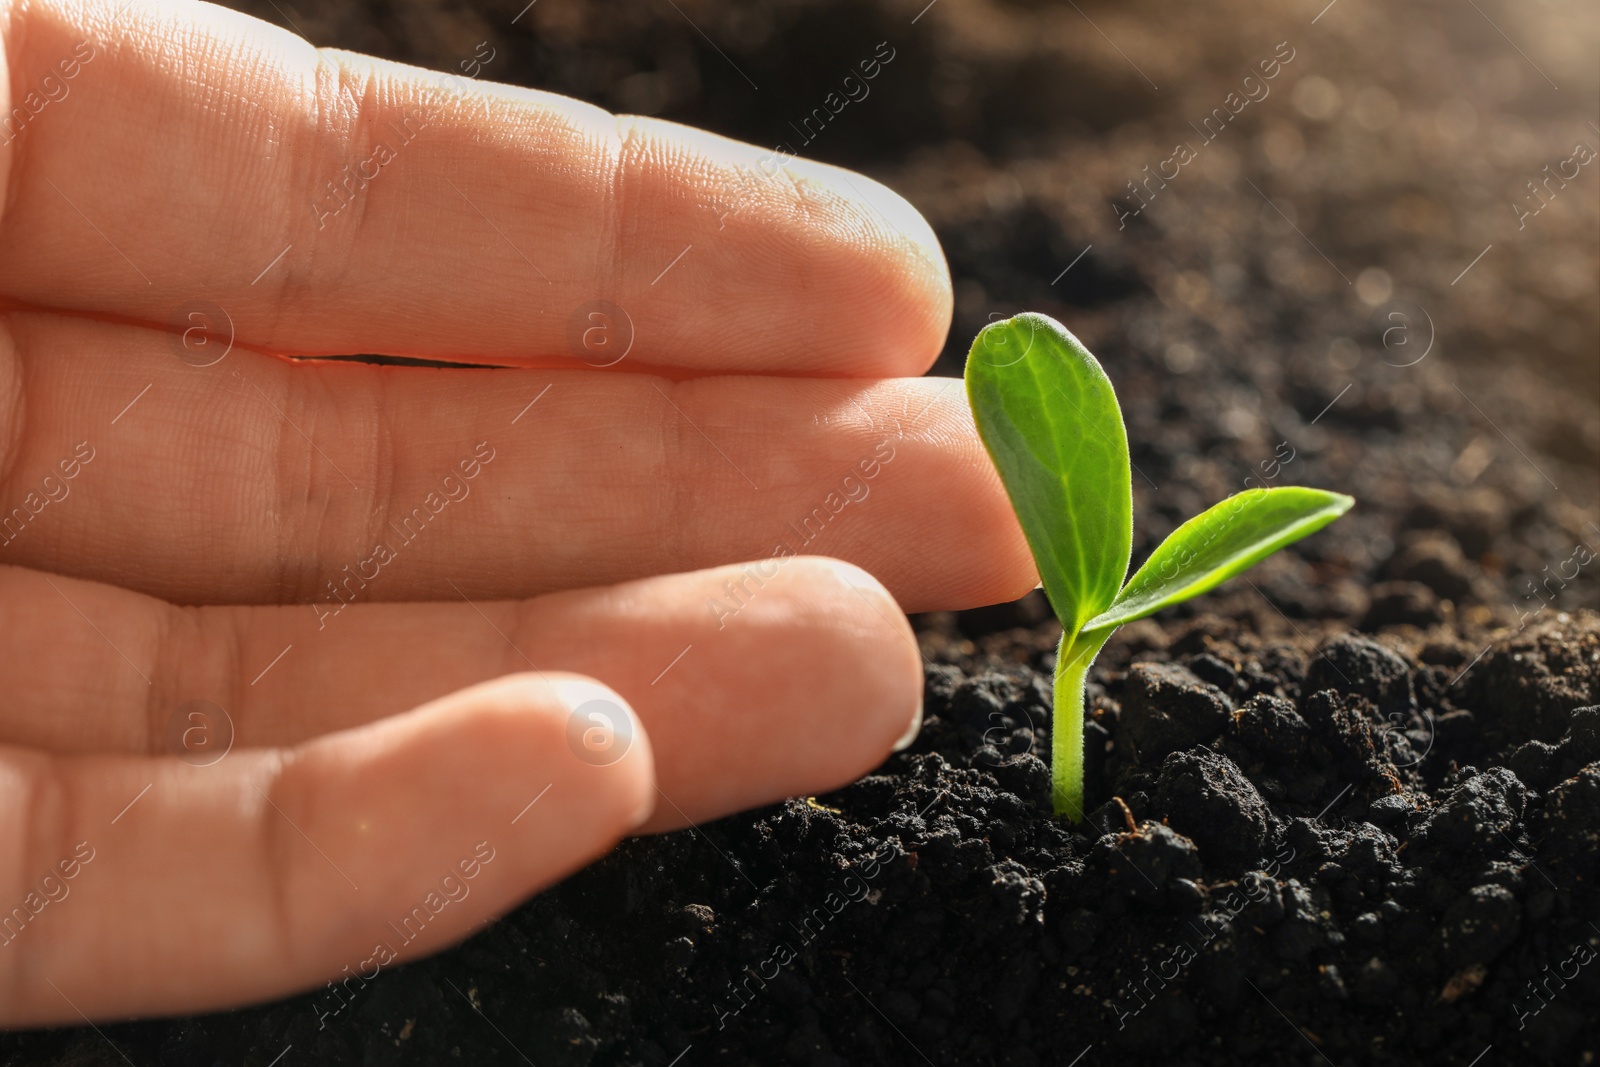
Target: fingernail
[
  {"x": 853, "y": 576},
  {"x": 601, "y": 728},
  {"x": 911, "y": 731},
  {"x": 860, "y": 580},
  {"x": 647, "y": 806}
]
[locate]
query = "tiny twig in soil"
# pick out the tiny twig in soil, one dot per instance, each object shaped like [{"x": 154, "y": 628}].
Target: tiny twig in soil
[{"x": 1127, "y": 815}]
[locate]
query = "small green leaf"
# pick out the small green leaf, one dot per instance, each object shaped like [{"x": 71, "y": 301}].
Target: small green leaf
[
  {"x": 1051, "y": 422},
  {"x": 1219, "y": 543}
]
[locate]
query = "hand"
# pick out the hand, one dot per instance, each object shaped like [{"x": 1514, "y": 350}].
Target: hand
[{"x": 228, "y": 573}]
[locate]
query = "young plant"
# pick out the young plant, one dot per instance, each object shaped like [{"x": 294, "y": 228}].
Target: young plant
[{"x": 1050, "y": 420}]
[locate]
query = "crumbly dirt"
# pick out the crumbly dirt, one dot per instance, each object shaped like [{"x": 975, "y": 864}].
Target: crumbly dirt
[
  {"x": 1351, "y": 852},
  {"x": 1345, "y": 810}
]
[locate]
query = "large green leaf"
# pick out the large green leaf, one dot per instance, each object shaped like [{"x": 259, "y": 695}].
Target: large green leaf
[
  {"x": 1050, "y": 420},
  {"x": 1219, "y": 543}
]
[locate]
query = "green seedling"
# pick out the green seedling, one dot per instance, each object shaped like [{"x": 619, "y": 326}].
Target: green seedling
[{"x": 1051, "y": 422}]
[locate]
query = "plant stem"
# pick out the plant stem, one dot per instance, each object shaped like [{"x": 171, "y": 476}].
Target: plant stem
[{"x": 1066, "y": 732}]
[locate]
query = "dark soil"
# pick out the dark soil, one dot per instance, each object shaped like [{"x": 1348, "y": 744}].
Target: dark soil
[{"x": 1346, "y": 811}]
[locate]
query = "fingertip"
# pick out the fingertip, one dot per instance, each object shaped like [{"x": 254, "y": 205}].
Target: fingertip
[
  {"x": 545, "y": 770},
  {"x": 865, "y": 585},
  {"x": 861, "y": 584},
  {"x": 838, "y": 674},
  {"x": 891, "y": 262},
  {"x": 977, "y": 554},
  {"x": 602, "y": 730},
  {"x": 1009, "y": 573},
  {"x": 880, "y": 653},
  {"x": 836, "y": 273},
  {"x": 583, "y": 733},
  {"x": 275, "y": 869}
]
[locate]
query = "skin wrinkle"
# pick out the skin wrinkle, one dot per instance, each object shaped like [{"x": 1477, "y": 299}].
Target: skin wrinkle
[
  {"x": 614, "y": 235},
  {"x": 165, "y": 669},
  {"x": 354, "y": 133},
  {"x": 234, "y": 665},
  {"x": 47, "y": 815},
  {"x": 153, "y": 632},
  {"x": 348, "y": 97},
  {"x": 209, "y": 93},
  {"x": 116, "y": 682},
  {"x": 15, "y": 29},
  {"x": 520, "y": 621},
  {"x": 200, "y": 652},
  {"x": 292, "y": 468},
  {"x": 669, "y": 457},
  {"x": 13, "y": 410},
  {"x": 277, "y": 839},
  {"x": 384, "y": 463},
  {"x": 13, "y": 865},
  {"x": 319, "y": 392},
  {"x": 295, "y": 274}
]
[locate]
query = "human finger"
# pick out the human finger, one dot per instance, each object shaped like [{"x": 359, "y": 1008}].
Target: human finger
[
  {"x": 177, "y": 154},
  {"x": 277, "y": 870},
  {"x": 775, "y": 678},
  {"x": 255, "y": 480}
]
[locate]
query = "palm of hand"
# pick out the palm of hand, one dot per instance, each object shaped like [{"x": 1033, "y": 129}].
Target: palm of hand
[{"x": 228, "y": 575}]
